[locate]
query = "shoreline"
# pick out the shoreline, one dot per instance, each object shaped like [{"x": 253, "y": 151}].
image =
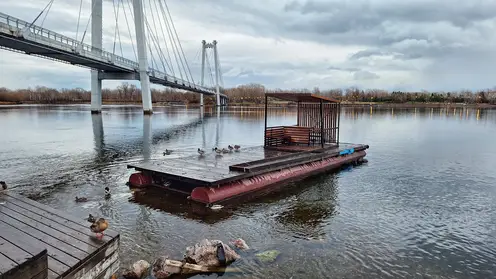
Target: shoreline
[{"x": 252, "y": 105}]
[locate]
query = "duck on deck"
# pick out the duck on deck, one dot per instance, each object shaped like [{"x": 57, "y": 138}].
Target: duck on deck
[
  {"x": 289, "y": 152},
  {"x": 39, "y": 242}
]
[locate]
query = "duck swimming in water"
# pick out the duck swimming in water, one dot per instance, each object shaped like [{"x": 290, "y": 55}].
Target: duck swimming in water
[
  {"x": 107, "y": 192},
  {"x": 91, "y": 219},
  {"x": 4, "y": 185},
  {"x": 81, "y": 199},
  {"x": 201, "y": 151},
  {"x": 167, "y": 152}
]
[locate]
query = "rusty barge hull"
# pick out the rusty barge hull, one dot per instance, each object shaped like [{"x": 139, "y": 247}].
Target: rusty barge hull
[{"x": 213, "y": 179}]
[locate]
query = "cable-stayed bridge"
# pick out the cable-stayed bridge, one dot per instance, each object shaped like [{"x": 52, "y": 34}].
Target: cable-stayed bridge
[{"x": 159, "y": 55}]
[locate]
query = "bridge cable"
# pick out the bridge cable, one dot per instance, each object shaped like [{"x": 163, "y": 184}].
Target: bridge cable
[
  {"x": 167, "y": 28},
  {"x": 207, "y": 60},
  {"x": 180, "y": 45},
  {"x": 174, "y": 45},
  {"x": 79, "y": 18},
  {"x": 129, "y": 29},
  {"x": 197, "y": 59},
  {"x": 220, "y": 70},
  {"x": 148, "y": 34},
  {"x": 212, "y": 69},
  {"x": 46, "y": 14},
  {"x": 152, "y": 40},
  {"x": 88, "y": 23},
  {"x": 156, "y": 40},
  {"x": 197, "y": 56},
  {"x": 171, "y": 66},
  {"x": 152, "y": 59},
  {"x": 117, "y": 34},
  {"x": 40, "y": 14}
]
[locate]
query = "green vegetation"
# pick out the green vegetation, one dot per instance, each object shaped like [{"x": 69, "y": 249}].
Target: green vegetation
[
  {"x": 268, "y": 256},
  {"x": 251, "y": 94}
]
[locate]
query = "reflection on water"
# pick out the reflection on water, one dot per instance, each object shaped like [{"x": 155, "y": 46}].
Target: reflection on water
[
  {"x": 422, "y": 207},
  {"x": 147, "y": 137},
  {"x": 477, "y": 114}
]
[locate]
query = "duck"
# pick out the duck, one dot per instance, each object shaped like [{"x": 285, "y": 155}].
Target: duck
[
  {"x": 230, "y": 147},
  {"x": 4, "y": 185},
  {"x": 167, "y": 152},
  {"x": 218, "y": 151},
  {"x": 216, "y": 207},
  {"x": 81, "y": 199},
  {"x": 237, "y": 147},
  {"x": 201, "y": 151},
  {"x": 99, "y": 226},
  {"x": 91, "y": 219},
  {"x": 107, "y": 192},
  {"x": 224, "y": 150}
]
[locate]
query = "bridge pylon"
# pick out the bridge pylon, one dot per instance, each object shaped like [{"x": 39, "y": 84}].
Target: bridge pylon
[
  {"x": 96, "y": 43},
  {"x": 139, "y": 23},
  {"x": 213, "y": 45}
]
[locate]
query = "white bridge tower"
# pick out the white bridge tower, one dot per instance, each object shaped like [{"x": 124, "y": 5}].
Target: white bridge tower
[
  {"x": 96, "y": 43},
  {"x": 212, "y": 45}
]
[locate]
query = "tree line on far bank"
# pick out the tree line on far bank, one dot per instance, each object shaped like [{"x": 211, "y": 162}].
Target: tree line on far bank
[{"x": 244, "y": 94}]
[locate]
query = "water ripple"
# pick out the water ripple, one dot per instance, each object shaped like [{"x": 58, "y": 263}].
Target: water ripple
[{"x": 423, "y": 207}]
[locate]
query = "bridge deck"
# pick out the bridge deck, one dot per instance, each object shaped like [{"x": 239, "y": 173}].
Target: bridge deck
[
  {"x": 52, "y": 243},
  {"x": 212, "y": 169},
  {"x": 21, "y": 36}
]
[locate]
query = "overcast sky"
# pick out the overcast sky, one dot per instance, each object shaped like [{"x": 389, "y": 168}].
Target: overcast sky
[{"x": 386, "y": 44}]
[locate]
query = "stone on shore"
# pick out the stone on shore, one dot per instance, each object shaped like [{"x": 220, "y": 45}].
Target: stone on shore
[
  {"x": 205, "y": 253},
  {"x": 161, "y": 270},
  {"x": 137, "y": 270}
]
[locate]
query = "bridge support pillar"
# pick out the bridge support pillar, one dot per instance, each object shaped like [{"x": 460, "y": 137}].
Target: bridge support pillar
[
  {"x": 96, "y": 92},
  {"x": 139, "y": 23},
  {"x": 96, "y": 43},
  {"x": 216, "y": 62},
  {"x": 202, "y": 82}
]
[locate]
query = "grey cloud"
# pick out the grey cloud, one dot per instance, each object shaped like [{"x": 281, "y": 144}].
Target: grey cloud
[
  {"x": 429, "y": 41},
  {"x": 362, "y": 13},
  {"x": 345, "y": 69},
  {"x": 375, "y": 24},
  {"x": 365, "y": 75},
  {"x": 368, "y": 53}
]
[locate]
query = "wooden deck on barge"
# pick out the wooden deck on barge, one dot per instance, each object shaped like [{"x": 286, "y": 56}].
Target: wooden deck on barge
[
  {"x": 212, "y": 169},
  {"x": 38, "y": 242}
]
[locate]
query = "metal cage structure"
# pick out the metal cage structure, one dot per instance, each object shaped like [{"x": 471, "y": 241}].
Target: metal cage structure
[{"x": 317, "y": 124}]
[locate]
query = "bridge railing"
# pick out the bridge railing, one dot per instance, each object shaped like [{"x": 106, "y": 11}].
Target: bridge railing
[
  {"x": 57, "y": 40},
  {"x": 162, "y": 75}
]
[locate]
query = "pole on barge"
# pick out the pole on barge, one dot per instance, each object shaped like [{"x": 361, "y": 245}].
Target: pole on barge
[
  {"x": 322, "y": 123},
  {"x": 339, "y": 116},
  {"x": 265, "y": 129}
]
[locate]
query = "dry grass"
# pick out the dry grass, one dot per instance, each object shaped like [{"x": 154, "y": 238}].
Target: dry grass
[{"x": 251, "y": 95}]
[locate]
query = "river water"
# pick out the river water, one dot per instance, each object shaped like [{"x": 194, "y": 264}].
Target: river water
[{"x": 424, "y": 206}]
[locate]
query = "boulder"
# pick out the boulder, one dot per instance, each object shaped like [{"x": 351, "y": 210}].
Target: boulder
[
  {"x": 161, "y": 270},
  {"x": 137, "y": 270},
  {"x": 240, "y": 244},
  {"x": 205, "y": 254}
]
